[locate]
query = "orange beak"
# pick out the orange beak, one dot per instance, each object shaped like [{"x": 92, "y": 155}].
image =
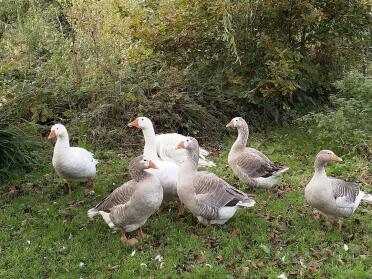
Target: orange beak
[
  {"x": 181, "y": 145},
  {"x": 152, "y": 165},
  {"x": 230, "y": 124},
  {"x": 52, "y": 134},
  {"x": 336, "y": 158},
  {"x": 134, "y": 123}
]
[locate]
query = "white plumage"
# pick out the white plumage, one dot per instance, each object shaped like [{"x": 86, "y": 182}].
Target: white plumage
[{"x": 166, "y": 149}]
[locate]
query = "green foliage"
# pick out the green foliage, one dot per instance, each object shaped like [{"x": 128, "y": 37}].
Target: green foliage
[
  {"x": 189, "y": 65},
  {"x": 346, "y": 125},
  {"x": 19, "y": 151}
]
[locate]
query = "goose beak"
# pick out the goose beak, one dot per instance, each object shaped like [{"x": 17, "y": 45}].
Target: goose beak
[
  {"x": 181, "y": 145},
  {"x": 134, "y": 123},
  {"x": 52, "y": 134},
  {"x": 230, "y": 124},
  {"x": 336, "y": 158},
  {"x": 152, "y": 165}
]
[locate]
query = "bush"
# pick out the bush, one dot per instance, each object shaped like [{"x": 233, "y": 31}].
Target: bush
[
  {"x": 346, "y": 125},
  {"x": 189, "y": 65}
]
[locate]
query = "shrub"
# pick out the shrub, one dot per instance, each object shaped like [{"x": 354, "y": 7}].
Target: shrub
[{"x": 346, "y": 123}]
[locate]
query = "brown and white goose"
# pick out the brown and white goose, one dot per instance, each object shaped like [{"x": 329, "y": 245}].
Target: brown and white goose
[
  {"x": 211, "y": 199},
  {"x": 333, "y": 197},
  {"x": 250, "y": 165},
  {"x": 129, "y": 206}
]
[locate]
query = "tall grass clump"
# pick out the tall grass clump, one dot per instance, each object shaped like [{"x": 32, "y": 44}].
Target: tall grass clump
[{"x": 18, "y": 151}]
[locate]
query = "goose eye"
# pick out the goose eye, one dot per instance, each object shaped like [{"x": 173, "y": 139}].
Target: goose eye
[{"x": 142, "y": 119}]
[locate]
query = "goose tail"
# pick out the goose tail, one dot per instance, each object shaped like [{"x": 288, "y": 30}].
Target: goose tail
[
  {"x": 246, "y": 203},
  {"x": 92, "y": 213},
  {"x": 204, "y": 163},
  {"x": 281, "y": 171},
  {"x": 106, "y": 217},
  {"x": 367, "y": 197}
]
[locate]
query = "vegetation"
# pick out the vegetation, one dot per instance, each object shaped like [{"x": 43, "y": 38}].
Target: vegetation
[
  {"x": 46, "y": 234},
  {"x": 346, "y": 124},
  {"x": 95, "y": 64},
  {"x": 18, "y": 150},
  {"x": 296, "y": 70}
]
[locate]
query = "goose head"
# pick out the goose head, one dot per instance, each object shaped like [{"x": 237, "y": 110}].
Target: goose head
[
  {"x": 325, "y": 156},
  {"x": 236, "y": 122},
  {"x": 189, "y": 143},
  {"x": 57, "y": 130},
  {"x": 142, "y": 163},
  {"x": 141, "y": 122}
]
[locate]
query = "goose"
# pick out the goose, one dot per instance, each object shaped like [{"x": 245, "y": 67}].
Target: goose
[
  {"x": 333, "y": 197},
  {"x": 165, "y": 147},
  {"x": 74, "y": 164},
  {"x": 211, "y": 199},
  {"x": 167, "y": 171},
  {"x": 250, "y": 165},
  {"x": 130, "y": 205}
]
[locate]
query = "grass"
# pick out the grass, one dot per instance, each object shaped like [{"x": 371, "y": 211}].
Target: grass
[{"x": 45, "y": 233}]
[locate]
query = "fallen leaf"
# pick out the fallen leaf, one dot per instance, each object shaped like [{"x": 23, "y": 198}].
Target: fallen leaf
[
  {"x": 257, "y": 264},
  {"x": 76, "y": 203},
  {"x": 235, "y": 232},
  {"x": 219, "y": 258},
  {"x": 68, "y": 218},
  {"x": 25, "y": 222},
  {"x": 201, "y": 259},
  {"x": 346, "y": 247},
  {"x": 282, "y": 276},
  {"x": 315, "y": 265},
  {"x": 231, "y": 265},
  {"x": 245, "y": 269}
]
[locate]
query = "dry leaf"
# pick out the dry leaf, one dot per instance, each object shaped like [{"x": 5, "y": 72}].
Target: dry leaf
[{"x": 201, "y": 259}]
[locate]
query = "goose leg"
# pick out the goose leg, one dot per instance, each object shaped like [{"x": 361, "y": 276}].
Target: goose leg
[
  {"x": 89, "y": 190},
  {"x": 340, "y": 223},
  {"x": 69, "y": 186},
  {"x": 124, "y": 238},
  {"x": 328, "y": 222},
  {"x": 141, "y": 234},
  {"x": 181, "y": 210}
]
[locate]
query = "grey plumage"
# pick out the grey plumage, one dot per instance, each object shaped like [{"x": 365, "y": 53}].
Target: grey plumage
[
  {"x": 250, "y": 165},
  {"x": 208, "y": 197},
  {"x": 130, "y": 205},
  {"x": 332, "y": 196}
]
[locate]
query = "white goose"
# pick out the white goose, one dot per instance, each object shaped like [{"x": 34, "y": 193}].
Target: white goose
[
  {"x": 165, "y": 147},
  {"x": 167, "y": 171},
  {"x": 74, "y": 164}
]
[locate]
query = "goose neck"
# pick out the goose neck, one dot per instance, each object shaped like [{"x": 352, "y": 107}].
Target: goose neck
[
  {"x": 62, "y": 143},
  {"x": 243, "y": 133},
  {"x": 150, "y": 143},
  {"x": 319, "y": 166}
]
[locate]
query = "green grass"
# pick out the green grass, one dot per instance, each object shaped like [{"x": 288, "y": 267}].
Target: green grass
[{"x": 45, "y": 233}]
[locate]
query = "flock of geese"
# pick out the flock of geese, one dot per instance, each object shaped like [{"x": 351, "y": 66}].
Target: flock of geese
[{"x": 168, "y": 171}]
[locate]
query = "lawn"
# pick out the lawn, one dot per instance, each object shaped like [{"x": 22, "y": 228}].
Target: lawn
[{"x": 45, "y": 233}]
